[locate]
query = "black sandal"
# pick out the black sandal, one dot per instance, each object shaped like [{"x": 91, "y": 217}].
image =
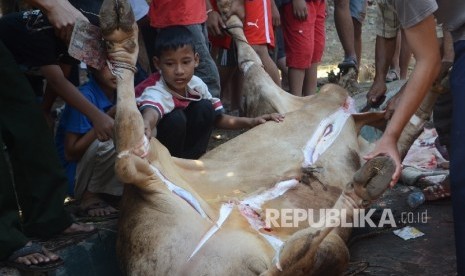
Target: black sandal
[{"x": 346, "y": 64}]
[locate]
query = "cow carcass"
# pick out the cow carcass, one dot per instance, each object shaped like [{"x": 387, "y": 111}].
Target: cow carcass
[{"x": 208, "y": 216}]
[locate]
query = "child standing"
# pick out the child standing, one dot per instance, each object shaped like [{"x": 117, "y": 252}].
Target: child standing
[
  {"x": 303, "y": 24},
  {"x": 89, "y": 163},
  {"x": 179, "y": 110}
]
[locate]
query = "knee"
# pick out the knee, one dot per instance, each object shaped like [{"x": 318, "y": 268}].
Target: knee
[
  {"x": 205, "y": 111},
  {"x": 175, "y": 121}
]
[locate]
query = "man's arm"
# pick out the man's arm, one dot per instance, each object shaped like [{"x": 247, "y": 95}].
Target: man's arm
[
  {"x": 103, "y": 124},
  {"x": 61, "y": 14},
  {"x": 423, "y": 42}
]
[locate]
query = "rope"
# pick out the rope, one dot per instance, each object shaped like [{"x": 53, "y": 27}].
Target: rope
[{"x": 116, "y": 67}]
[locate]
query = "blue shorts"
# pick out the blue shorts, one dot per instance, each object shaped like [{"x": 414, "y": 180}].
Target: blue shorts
[{"x": 358, "y": 9}]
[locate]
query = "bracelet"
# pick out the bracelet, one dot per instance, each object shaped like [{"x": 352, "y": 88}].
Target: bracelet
[{"x": 209, "y": 11}]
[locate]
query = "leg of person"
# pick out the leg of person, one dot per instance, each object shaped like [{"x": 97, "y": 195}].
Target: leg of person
[
  {"x": 404, "y": 56},
  {"x": 345, "y": 32},
  {"x": 457, "y": 152},
  {"x": 95, "y": 175},
  {"x": 311, "y": 80},
  {"x": 171, "y": 132},
  {"x": 268, "y": 63},
  {"x": 358, "y": 13},
  {"x": 387, "y": 25},
  {"x": 39, "y": 178},
  {"x": 11, "y": 235},
  {"x": 258, "y": 29},
  {"x": 299, "y": 44},
  {"x": 281, "y": 58},
  {"x": 319, "y": 36},
  {"x": 207, "y": 69},
  {"x": 200, "y": 120}
]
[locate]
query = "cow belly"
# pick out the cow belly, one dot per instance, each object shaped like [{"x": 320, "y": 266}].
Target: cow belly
[{"x": 236, "y": 249}]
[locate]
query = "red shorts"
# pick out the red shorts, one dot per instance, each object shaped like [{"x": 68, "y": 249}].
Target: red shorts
[
  {"x": 258, "y": 25},
  {"x": 304, "y": 41}
]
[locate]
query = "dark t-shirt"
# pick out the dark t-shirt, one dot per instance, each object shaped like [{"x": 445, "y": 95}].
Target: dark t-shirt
[{"x": 31, "y": 39}]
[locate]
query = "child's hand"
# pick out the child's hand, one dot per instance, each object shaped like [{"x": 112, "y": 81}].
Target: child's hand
[
  {"x": 269, "y": 117},
  {"x": 103, "y": 126},
  {"x": 112, "y": 112},
  {"x": 147, "y": 130},
  {"x": 300, "y": 9}
]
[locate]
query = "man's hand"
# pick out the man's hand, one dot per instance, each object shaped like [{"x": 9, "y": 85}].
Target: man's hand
[
  {"x": 300, "y": 9},
  {"x": 387, "y": 146},
  {"x": 62, "y": 15},
  {"x": 376, "y": 95},
  {"x": 392, "y": 104}
]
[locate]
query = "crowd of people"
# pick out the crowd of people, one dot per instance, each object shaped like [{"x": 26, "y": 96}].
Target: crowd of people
[{"x": 180, "y": 100}]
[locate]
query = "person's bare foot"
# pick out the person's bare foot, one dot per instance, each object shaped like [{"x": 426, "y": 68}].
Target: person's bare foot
[
  {"x": 33, "y": 256},
  {"x": 75, "y": 228},
  {"x": 93, "y": 206}
]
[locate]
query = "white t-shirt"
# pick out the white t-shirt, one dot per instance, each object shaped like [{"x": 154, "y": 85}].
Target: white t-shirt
[{"x": 163, "y": 100}]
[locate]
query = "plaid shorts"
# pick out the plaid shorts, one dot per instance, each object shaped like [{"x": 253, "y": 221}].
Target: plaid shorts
[{"x": 387, "y": 23}]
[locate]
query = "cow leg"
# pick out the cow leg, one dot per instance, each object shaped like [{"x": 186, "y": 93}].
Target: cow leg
[
  {"x": 262, "y": 94},
  {"x": 119, "y": 30},
  {"x": 322, "y": 251}
]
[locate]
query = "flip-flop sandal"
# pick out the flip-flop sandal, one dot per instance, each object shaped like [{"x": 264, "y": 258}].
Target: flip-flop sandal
[
  {"x": 392, "y": 75},
  {"x": 28, "y": 250}
]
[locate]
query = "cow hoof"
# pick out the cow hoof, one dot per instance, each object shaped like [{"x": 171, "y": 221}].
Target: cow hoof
[
  {"x": 116, "y": 14},
  {"x": 373, "y": 178}
]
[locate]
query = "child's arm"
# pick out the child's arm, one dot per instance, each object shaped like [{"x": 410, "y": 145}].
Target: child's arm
[
  {"x": 150, "y": 117},
  {"x": 225, "y": 121},
  {"x": 77, "y": 144},
  {"x": 103, "y": 124}
]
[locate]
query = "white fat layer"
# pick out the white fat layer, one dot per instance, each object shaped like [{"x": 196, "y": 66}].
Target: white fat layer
[
  {"x": 325, "y": 135},
  {"x": 225, "y": 211},
  {"x": 279, "y": 189},
  {"x": 187, "y": 196}
]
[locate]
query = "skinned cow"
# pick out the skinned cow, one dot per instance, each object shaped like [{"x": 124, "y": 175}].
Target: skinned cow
[{"x": 208, "y": 216}]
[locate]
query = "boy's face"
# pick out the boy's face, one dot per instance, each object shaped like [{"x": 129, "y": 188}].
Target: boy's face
[
  {"x": 105, "y": 79},
  {"x": 177, "y": 67}
]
